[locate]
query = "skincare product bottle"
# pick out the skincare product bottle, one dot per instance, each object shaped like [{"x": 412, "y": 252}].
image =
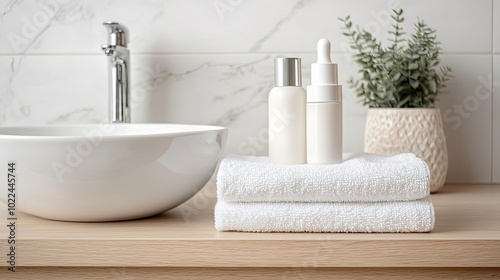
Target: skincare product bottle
[
  {"x": 324, "y": 110},
  {"x": 287, "y": 114}
]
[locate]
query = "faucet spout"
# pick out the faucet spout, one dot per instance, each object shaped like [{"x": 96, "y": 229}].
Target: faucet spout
[
  {"x": 117, "y": 33},
  {"x": 118, "y": 72}
]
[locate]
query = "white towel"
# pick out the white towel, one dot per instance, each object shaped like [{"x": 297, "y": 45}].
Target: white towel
[
  {"x": 396, "y": 216},
  {"x": 361, "y": 177}
]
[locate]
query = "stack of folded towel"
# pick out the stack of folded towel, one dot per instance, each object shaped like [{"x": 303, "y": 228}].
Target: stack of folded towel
[{"x": 365, "y": 193}]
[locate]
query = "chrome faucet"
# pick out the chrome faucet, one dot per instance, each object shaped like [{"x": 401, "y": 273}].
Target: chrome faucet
[{"x": 118, "y": 72}]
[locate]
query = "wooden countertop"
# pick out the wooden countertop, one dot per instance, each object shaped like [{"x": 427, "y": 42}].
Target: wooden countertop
[{"x": 466, "y": 234}]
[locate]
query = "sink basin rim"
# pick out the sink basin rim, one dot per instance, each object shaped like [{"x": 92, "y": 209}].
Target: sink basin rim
[{"x": 135, "y": 130}]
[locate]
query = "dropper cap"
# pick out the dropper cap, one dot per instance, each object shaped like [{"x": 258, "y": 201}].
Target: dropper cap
[
  {"x": 324, "y": 78},
  {"x": 287, "y": 72},
  {"x": 324, "y": 72}
]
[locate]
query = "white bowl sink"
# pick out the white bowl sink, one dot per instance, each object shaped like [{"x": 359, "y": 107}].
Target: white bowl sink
[{"x": 107, "y": 172}]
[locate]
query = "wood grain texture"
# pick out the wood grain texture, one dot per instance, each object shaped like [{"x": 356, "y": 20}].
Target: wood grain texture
[
  {"x": 154, "y": 273},
  {"x": 467, "y": 234}
]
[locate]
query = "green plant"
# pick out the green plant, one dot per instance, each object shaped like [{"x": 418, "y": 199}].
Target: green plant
[{"x": 397, "y": 76}]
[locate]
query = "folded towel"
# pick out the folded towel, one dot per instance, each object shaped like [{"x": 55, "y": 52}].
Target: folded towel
[
  {"x": 396, "y": 216},
  {"x": 361, "y": 177}
]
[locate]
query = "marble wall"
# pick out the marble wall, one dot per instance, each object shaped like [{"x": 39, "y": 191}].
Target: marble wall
[{"x": 211, "y": 62}]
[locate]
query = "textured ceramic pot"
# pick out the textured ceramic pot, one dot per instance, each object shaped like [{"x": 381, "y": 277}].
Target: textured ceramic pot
[{"x": 414, "y": 130}]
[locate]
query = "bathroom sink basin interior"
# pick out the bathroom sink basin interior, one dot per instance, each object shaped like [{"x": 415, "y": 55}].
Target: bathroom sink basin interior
[{"x": 108, "y": 172}]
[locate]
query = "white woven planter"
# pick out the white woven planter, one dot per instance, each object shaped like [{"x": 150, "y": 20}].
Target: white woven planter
[{"x": 418, "y": 131}]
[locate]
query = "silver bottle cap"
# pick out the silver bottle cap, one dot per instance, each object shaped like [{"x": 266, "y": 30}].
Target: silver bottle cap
[{"x": 287, "y": 72}]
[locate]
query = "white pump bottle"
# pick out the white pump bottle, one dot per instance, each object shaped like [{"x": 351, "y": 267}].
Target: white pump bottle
[{"x": 324, "y": 110}]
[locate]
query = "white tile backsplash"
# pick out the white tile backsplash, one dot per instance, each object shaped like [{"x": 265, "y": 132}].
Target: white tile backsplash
[
  {"x": 221, "y": 26},
  {"x": 496, "y": 120},
  {"x": 496, "y": 26},
  {"x": 315, "y": 19},
  {"x": 466, "y": 109},
  {"x": 199, "y": 88},
  {"x": 211, "y": 62},
  {"x": 53, "y": 89}
]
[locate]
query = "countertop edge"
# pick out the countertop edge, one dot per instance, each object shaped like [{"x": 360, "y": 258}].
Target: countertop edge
[{"x": 260, "y": 253}]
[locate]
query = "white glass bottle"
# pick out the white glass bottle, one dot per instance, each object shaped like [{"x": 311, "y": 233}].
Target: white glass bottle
[
  {"x": 324, "y": 110},
  {"x": 287, "y": 114}
]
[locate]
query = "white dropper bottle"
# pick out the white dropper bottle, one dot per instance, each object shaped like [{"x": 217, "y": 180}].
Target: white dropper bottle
[{"x": 324, "y": 110}]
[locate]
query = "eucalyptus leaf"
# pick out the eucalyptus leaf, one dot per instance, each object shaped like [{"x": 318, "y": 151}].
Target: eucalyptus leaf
[
  {"x": 432, "y": 86},
  {"x": 414, "y": 83},
  {"x": 412, "y": 66},
  {"x": 413, "y": 56},
  {"x": 396, "y": 76},
  {"x": 404, "y": 101},
  {"x": 415, "y": 76}
]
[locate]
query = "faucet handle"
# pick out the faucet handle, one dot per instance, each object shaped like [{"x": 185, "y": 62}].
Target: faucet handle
[{"x": 117, "y": 34}]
